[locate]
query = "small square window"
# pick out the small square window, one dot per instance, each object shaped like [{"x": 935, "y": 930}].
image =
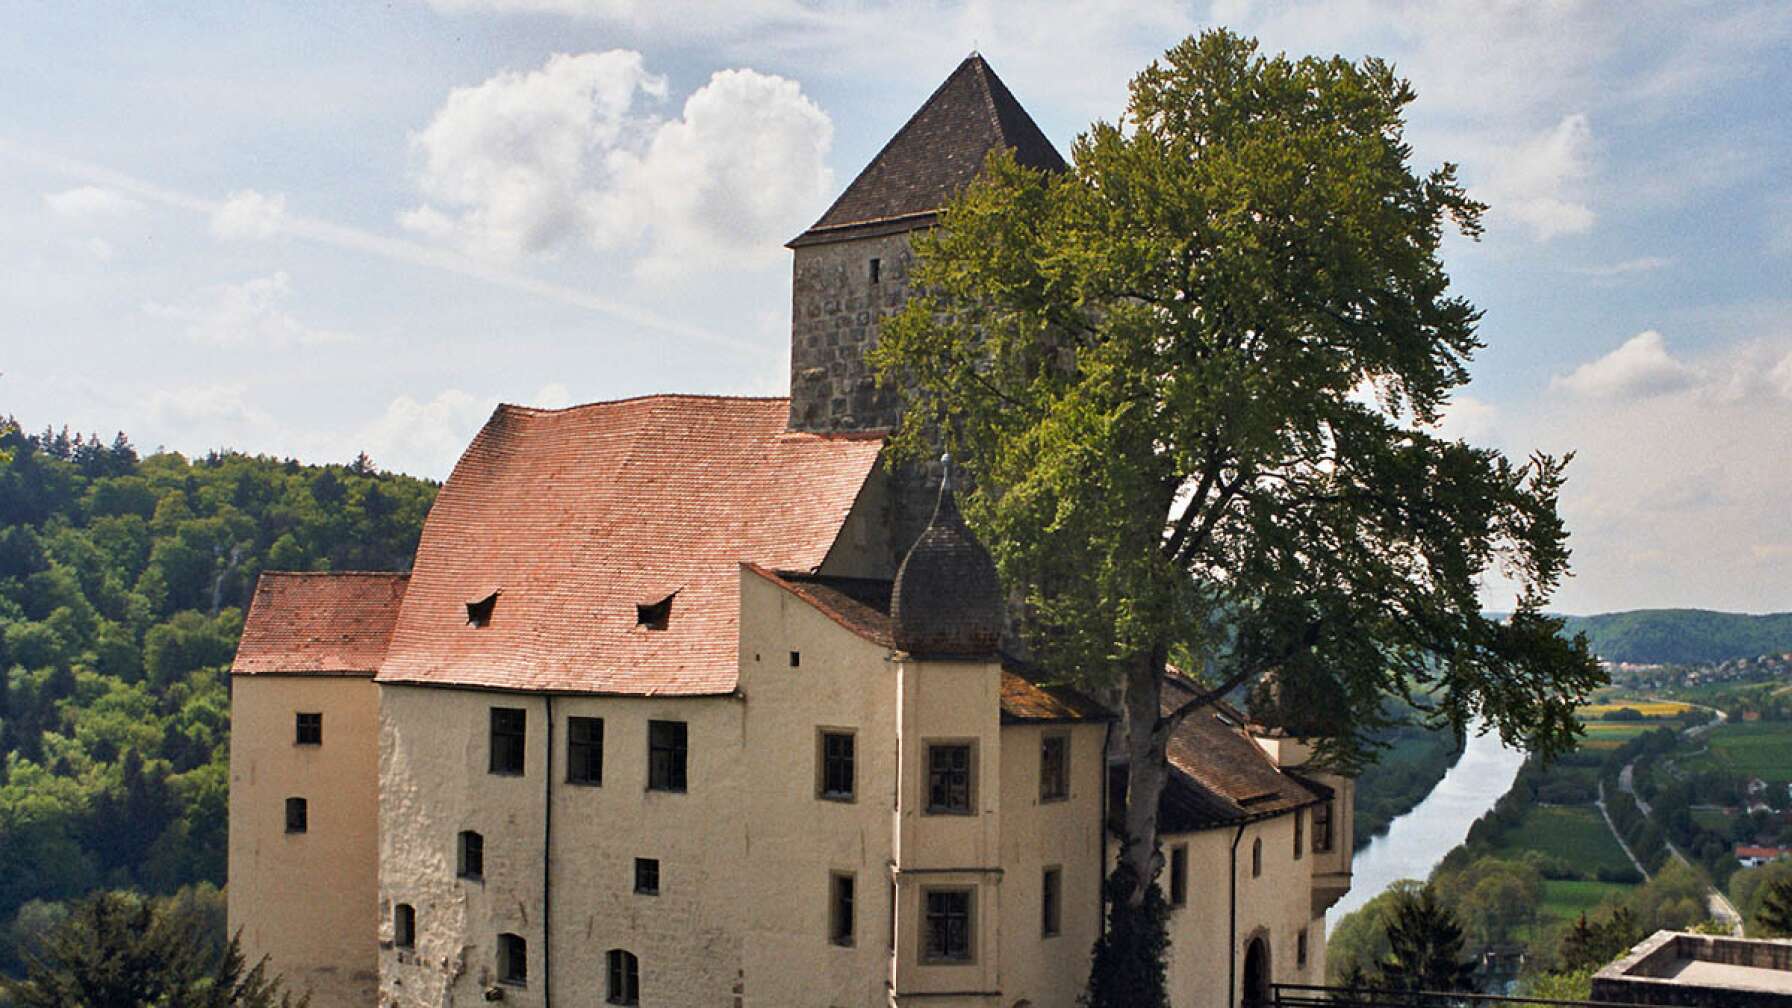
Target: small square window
[
  {"x": 585, "y": 750},
  {"x": 297, "y": 815},
  {"x": 1054, "y": 768},
  {"x": 840, "y": 908},
  {"x": 510, "y": 730},
  {"x": 470, "y": 855},
  {"x": 946, "y": 927},
  {"x": 667, "y": 750},
  {"x": 308, "y": 729},
  {"x": 949, "y": 790},
  {"x": 404, "y": 926},
  {"x": 837, "y": 763},
  {"x": 1179, "y": 875},
  {"x": 513, "y": 959},
  {"x": 647, "y": 876},
  {"x": 1051, "y": 901}
]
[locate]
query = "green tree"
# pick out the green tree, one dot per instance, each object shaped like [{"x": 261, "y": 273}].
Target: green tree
[
  {"x": 1196, "y": 380},
  {"x": 1424, "y": 948},
  {"x": 1775, "y": 916},
  {"x": 115, "y": 950}
]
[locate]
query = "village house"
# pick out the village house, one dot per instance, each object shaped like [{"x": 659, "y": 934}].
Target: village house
[{"x": 691, "y": 700}]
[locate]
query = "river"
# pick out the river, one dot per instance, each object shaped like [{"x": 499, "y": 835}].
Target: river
[{"x": 1418, "y": 840}]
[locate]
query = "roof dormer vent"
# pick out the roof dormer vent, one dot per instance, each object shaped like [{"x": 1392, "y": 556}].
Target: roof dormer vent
[
  {"x": 655, "y": 615},
  {"x": 479, "y": 611}
]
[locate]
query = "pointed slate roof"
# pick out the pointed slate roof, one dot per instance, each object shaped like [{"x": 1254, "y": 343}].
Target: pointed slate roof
[{"x": 935, "y": 155}]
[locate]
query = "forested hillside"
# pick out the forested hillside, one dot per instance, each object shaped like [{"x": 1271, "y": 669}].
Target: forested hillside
[
  {"x": 1683, "y": 636},
  {"x": 122, "y": 588}
]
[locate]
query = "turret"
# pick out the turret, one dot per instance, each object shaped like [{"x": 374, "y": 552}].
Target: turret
[{"x": 947, "y": 601}]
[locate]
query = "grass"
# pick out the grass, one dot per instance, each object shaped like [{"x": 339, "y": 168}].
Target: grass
[
  {"x": 1761, "y": 748},
  {"x": 1568, "y": 899},
  {"x": 1713, "y": 820},
  {"x": 1573, "y": 833}
]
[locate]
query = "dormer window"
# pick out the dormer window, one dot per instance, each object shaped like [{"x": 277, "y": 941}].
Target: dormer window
[
  {"x": 655, "y": 615},
  {"x": 479, "y": 611}
]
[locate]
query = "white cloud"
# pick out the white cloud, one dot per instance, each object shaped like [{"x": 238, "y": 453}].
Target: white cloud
[
  {"x": 247, "y": 214},
  {"x": 425, "y": 438},
  {"x": 531, "y": 162},
  {"x": 205, "y": 411},
  {"x": 87, "y": 204},
  {"x": 1641, "y": 264},
  {"x": 1640, "y": 368},
  {"x": 251, "y": 313},
  {"x": 1470, "y": 419},
  {"x": 1537, "y": 183}
]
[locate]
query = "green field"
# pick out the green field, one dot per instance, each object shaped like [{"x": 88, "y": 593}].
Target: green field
[
  {"x": 1575, "y": 834},
  {"x": 1567, "y": 900},
  {"x": 1763, "y": 748},
  {"x": 1713, "y": 820}
]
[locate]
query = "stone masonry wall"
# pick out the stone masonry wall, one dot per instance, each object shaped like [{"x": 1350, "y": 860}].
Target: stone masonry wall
[{"x": 835, "y": 309}]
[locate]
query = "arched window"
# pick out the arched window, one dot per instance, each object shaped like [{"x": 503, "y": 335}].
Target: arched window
[
  {"x": 469, "y": 855},
  {"x": 513, "y": 959},
  {"x": 625, "y": 978},
  {"x": 404, "y": 926},
  {"x": 1256, "y": 857}
]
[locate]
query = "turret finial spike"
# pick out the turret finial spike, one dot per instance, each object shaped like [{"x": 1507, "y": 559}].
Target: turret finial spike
[{"x": 946, "y": 471}]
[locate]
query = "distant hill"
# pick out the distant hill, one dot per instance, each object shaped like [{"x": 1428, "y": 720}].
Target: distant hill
[{"x": 1683, "y": 636}]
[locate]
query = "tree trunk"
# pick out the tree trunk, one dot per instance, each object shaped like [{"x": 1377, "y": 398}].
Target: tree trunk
[{"x": 1147, "y": 737}]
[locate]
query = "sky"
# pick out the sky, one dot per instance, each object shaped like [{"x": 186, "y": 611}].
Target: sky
[{"x": 318, "y": 229}]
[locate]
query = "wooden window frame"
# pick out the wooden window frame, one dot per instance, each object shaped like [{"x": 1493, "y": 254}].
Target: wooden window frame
[
  {"x": 822, "y": 768},
  {"x": 970, "y": 776},
  {"x": 622, "y": 970},
  {"x": 647, "y": 876},
  {"x": 1323, "y": 826},
  {"x": 927, "y": 958},
  {"x": 308, "y": 728},
  {"x": 501, "y": 762},
  {"x": 677, "y": 777},
  {"x": 585, "y": 757},
  {"x": 1061, "y": 791},
  {"x": 469, "y": 847}
]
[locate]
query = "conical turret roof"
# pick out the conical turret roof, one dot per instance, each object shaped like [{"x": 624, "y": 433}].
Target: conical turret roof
[
  {"x": 936, "y": 154},
  {"x": 947, "y": 600}
]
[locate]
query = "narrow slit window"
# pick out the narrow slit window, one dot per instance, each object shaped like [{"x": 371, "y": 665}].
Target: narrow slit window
[
  {"x": 1257, "y": 857},
  {"x": 404, "y": 926},
  {"x": 308, "y": 729},
  {"x": 1300, "y": 949},
  {"x": 513, "y": 959},
  {"x": 1179, "y": 875},
  {"x": 1051, "y": 892},
  {"x": 479, "y": 611},
  {"x": 625, "y": 979},
  {"x": 297, "y": 816},
  {"x": 1299, "y": 834},
  {"x": 876, "y": 270},
  {"x": 796, "y": 659},
  {"x": 655, "y": 615},
  {"x": 1322, "y": 827},
  {"x": 840, "y": 908},
  {"x": 470, "y": 855}
]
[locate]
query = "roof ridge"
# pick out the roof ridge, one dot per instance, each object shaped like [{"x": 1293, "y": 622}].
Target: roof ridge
[
  {"x": 344, "y": 573},
  {"x": 525, "y": 409}
]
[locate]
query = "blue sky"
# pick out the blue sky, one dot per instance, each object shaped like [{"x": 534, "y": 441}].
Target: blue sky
[{"x": 321, "y": 228}]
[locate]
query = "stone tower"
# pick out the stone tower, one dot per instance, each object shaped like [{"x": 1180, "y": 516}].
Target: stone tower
[{"x": 852, "y": 267}]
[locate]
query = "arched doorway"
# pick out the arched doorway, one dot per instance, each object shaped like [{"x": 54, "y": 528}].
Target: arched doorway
[{"x": 1256, "y": 973}]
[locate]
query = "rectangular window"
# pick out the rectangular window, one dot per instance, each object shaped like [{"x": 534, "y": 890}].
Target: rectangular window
[
  {"x": 1054, "y": 768},
  {"x": 666, "y": 750},
  {"x": 404, "y": 926},
  {"x": 308, "y": 729},
  {"x": 510, "y": 728},
  {"x": 1300, "y": 949},
  {"x": 513, "y": 959},
  {"x": 837, "y": 752},
  {"x": 585, "y": 750},
  {"x": 876, "y": 270},
  {"x": 647, "y": 876},
  {"x": 1322, "y": 827},
  {"x": 1299, "y": 834},
  {"x": 1050, "y": 900},
  {"x": 625, "y": 978},
  {"x": 296, "y": 815},
  {"x": 840, "y": 908},
  {"x": 949, "y": 779},
  {"x": 1179, "y": 875},
  {"x": 946, "y": 927},
  {"x": 470, "y": 855}
]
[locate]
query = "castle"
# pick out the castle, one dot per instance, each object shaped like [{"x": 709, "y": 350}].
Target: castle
[{"x": 690, "y": 700}]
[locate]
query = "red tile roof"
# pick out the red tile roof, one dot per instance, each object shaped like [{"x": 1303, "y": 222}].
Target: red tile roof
[
  {"x": 319, "y": 624},
  {"x": 575, "y": 517}
]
